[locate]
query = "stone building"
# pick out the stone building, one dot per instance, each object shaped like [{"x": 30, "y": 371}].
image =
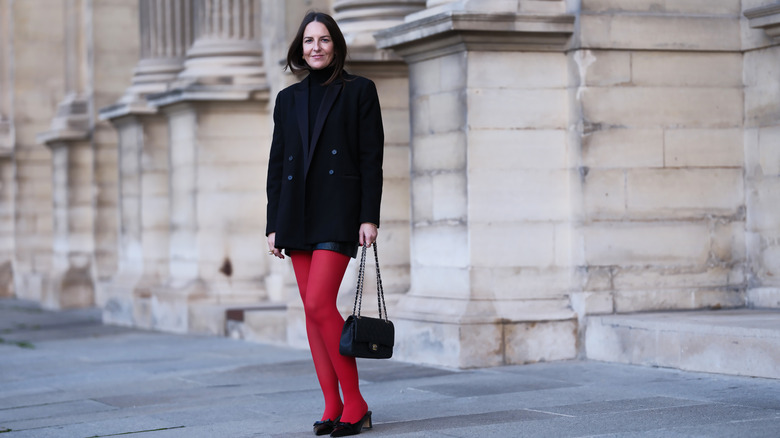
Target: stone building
[{"x": 560, "y": 174}]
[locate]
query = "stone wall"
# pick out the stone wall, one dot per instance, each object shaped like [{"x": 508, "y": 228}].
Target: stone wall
[
  {"x": 7, "y": 241},
  {"x": 658, "y": 109},
  {"x": 35, "y": 30},
  {"x": 762, "y": 154},
  {"x": 545, "y": 161}
]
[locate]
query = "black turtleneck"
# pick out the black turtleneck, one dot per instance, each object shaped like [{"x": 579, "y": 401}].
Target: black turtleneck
[{"x": 316, "y": 93}]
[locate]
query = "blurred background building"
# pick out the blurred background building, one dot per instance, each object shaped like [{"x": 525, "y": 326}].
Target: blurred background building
[{"x": 558, "y": 172}]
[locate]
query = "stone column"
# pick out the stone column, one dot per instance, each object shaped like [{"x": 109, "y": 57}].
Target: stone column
[
  {"x": 762, "y": 154},
  {"x": 219, "y": 134},
  {"x": 360, "y": 19},
  {"x": 6, "y": 154},
  {"x": 166, "y": 31},
  {"x": 490, "y": 267},
  {"x": 227, "y": 50},
  {"x": 6, "y": 222},
  {"x": 72, "y": 281}
]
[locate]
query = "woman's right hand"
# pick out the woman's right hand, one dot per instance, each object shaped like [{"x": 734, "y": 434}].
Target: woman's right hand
[{"x": 272, "y": 249}]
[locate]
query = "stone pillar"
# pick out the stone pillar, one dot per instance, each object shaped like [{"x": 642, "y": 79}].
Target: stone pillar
[
  {"x": 6, "y": 223},
  {"x": 490, "y": 267},
  {"x": 113, "y": 30},
  {"x": 72, "y": 280},
  {"x": 166, "y": 30},
  {"x": 219, "y": 134},
  {"x": 762, "y": 154},
  {"x": 6, "y": 154},
  {"x": 360, "y": 19},
  {"x": 73, "y": 276},
  {"x": 227, "y": 50}
]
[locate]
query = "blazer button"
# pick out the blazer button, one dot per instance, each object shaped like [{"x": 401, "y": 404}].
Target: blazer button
[
  {"x": 291, "y": 158},
  {"x": 289, "y": 177},
  {"x": 330, "y": 172},
  {"x": 334, "y": 152}
]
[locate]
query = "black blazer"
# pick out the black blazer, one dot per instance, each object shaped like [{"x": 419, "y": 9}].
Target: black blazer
[{"x": 324, "y": 195}]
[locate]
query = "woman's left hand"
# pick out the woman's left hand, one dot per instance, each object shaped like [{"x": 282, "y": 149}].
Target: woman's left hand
[{"x": 367, "y": 234}]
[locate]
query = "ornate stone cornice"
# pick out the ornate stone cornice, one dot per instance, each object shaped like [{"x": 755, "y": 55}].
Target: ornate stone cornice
[
  {"x": 208, "y": 93},
  {"x": 454, "y": 31},
  {"x": 765, "y": 17},
  {"x": 135, "y": 108}
]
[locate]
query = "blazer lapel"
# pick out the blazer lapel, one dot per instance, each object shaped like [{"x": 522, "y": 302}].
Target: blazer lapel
[
  {"x": 331, "y": 93},
  {"x": 302, "y": 113}
]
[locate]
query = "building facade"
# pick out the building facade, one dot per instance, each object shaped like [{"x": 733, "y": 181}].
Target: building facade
[{"x": 545, "y": 161}]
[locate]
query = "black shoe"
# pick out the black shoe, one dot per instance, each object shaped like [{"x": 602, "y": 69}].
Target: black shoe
[
  {"x": 347, "y": 429},
  {"x": 324, "y": 427}
]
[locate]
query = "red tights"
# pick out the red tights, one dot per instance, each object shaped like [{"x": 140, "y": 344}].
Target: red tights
[{"x": 319, "y": 275}]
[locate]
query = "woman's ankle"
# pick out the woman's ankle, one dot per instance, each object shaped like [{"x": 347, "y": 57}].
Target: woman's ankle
[
  {"x": 354, "y": 411},
  {"x": 332, "y": 412}
]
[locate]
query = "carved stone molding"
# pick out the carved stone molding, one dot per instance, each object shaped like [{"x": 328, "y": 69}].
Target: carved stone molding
[
  {"x": 71, "y": 122},
  {"x": 166, "y": 34},
  {"x": 360, "y": 19},
  {"x": 767, "y": 18},
  {"x": 454, "y": 31},
  {"x": 227, "y": 49},
  {"x": 225, "y": 61}
]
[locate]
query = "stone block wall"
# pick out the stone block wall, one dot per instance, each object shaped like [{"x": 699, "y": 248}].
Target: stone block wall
[
  {"x": 762, "y": 159},
  {"x": 658, "y": 106},
  {"x": 517, "y": 164},
  {"x": 545, "y": 161},
  {"x": 35, "y": 30}
]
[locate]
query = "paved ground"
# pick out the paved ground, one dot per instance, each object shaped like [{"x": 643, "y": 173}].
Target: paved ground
[{"x": 64, "y": 374}]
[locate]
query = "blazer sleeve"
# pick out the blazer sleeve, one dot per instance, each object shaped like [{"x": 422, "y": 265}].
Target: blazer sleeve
[
  {"x": 371, "y": 143},
  {"x": 274, "y": 178}
]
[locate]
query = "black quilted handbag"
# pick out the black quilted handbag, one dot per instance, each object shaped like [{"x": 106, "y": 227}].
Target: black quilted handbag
[{"x": 366, "y": 337}]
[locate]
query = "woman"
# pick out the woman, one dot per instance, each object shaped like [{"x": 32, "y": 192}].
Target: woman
[{"x": 324, "y": 189}]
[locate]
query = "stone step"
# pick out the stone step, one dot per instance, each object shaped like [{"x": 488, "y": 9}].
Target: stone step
[
  {"x": 742, "y": 342},
  {"x": 266, "y": 323}
]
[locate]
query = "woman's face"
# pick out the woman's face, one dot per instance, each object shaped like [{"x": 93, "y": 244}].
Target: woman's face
[{"x": 317, "y": 46}]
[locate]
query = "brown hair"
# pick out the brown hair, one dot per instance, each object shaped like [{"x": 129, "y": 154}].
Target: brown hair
[{"x": 295, "y": 60}]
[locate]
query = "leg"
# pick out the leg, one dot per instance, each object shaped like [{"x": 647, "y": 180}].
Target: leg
[
  {"x": 326, "y": 374},
  {"x": 325, "y": 275}
]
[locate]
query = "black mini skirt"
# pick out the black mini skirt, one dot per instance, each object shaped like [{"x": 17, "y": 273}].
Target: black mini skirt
[{"x": 349, "y": 249}]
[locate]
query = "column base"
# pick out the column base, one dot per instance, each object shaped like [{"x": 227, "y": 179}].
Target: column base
[
  {"x": 119, "y": 295},
  {"x": 72, "y": 288},
  {"x": 6, "y": 280},
  {"x": 764, "y": 298},
  {"x": 265, "y": 323},
  {"x": 465, "y": 334},
  {"x": 487, "y": 344}
]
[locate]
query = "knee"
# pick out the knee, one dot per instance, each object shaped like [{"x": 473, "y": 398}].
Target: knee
[{"x": 317, "y": 309}]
